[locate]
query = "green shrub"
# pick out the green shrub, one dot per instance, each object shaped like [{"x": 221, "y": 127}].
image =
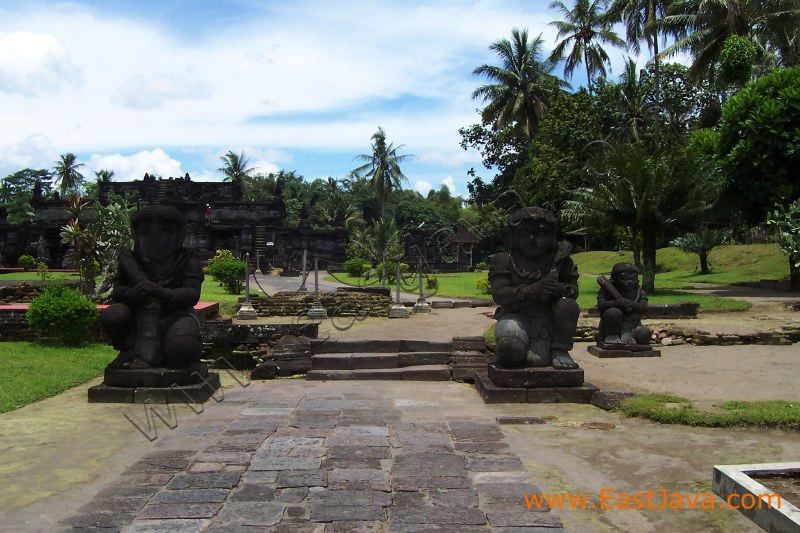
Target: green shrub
[
  {"x": 219, "y": 255},
  {"x": 736, "y": 59},
  {"x": 391, "y": 269},
  {"x": 432, "y": 282},
  {"x": 62, "y": 312},
  {"x": 356, "y": 266},
  {"x": 42, "y": 270},
  {"x": 229, "y": 273},
  {"x": 27, "y": 262},
  {"x": 481, "y": 265},
  {"x": 483, "y": 285}
]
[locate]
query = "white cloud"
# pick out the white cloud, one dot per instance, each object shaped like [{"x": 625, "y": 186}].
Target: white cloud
[
  {"x": 449, "y": 158},
  {"x": 140, "y": 92},
  {"x": 133, "y": 167},
  {"x": 34, "y": 63},
  {"x": 450, "y": 183},
  {"x": 34, "y": 152},
  {"x": 422, "y": 187}
]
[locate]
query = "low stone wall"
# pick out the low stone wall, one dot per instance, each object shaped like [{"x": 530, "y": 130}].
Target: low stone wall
[
  {"x": 24, "y": 291},
  {"x": 335, "y": 303},
  {"x": 246, "y": 346},
  {"x": 673, "y": 336}
]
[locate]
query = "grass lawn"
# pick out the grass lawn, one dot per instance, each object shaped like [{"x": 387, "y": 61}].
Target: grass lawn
[
  {"x": 31, "y": 372},
  {"x": 667, "y": 409},
  {"x": 34, "y": 276},
  {"x": 462, "y": 285}
]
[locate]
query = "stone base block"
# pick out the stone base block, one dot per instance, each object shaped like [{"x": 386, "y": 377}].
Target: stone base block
[
  {"x": 194, "y": 393},
  {"x": 535, "y": 377},
  {"x": 617, "y": 352},
  {"x": 154, "y": 377},
  {"x": 491, "y": 393},
  {"x": 398, "y": 311}
]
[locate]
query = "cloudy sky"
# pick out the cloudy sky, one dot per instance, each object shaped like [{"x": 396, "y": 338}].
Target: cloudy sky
[{"x": 168, "y": 86}]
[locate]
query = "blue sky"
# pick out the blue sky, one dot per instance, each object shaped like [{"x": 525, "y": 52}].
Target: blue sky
[{"x": 169, "y": 86}]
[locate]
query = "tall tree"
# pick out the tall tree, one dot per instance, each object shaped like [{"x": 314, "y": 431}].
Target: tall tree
[
  {"x": 702, "y": 27},
  {"x": 104, "y": 175},
  {"x": 68, "y": 178},
  {"x": 235, "y": 168},
  {"x": 647, "y": 193},
  {"x": 585, "y": 29},
  {"x": 522, "y": 84},
  {"x": 641, "y": 19},
  {"x": 382, "y": 167}
]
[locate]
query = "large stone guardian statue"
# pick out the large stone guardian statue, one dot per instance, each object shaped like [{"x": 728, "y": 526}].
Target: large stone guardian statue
[
  {"x": 536, "y": 285},
  {"x": 152, "y": 321}
]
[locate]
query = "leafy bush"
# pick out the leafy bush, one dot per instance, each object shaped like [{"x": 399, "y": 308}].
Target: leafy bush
[
  {"x": 432, "y": 282},
  {"x": 219, "y": 255},
  {"x": 42, "y": 270},
  {"x": 64, "y": 312},
  {"x": 26, "y": 261},
  {"x": 356, "y": 266},
  {"x": 701, "y": 243},
  {"x": 786, "y": 223},
  {"x": 736, "y": 59},
  {"x": 229, "y": 273},
  {"x": 391, "y": 269},
  {"x": 758, "y": 142},
  {"x": 481, "y": 265},
  {"x": 483, "y": 285}
]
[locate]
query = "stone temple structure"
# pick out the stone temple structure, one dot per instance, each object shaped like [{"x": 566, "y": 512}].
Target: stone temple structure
[{"x": 217, "y": 216}]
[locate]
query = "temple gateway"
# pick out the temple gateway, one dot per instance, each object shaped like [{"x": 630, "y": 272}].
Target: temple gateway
[{"x": 217, "y": 217}]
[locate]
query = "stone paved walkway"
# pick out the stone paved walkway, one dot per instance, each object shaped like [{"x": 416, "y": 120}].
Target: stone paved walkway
[{"x": 291, "y": 455}]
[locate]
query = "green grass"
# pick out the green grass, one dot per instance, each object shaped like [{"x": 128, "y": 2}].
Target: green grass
[
  {"x": 34, "y": 276},
  {"x": 668, "y": 409},
  {"x": 31, "y": 372},
  {"x": 462, "y": 285},
  {"x": 730, "y": 264},
  {"x": 212, "y": 292}
]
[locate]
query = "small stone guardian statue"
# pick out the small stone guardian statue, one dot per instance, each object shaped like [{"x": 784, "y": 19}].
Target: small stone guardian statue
[{"x": 622, "y": 304}]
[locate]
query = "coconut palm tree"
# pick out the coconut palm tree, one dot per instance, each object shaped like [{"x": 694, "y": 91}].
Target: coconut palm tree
[
  {"x": 702, "y": 27},
  {"x": 648, "y": 194},
  {"x": 235, "y": 167},
  {"x": 632, "y": 100},
  {"x": 585, "y": 29},
  {"x": 523, "y": 83},
  {"x": 104, "y": 175},
  {"x": 382, "y": 167},
  {"x": 68, "y": 178},
  {"x": 701, "y": 243}
]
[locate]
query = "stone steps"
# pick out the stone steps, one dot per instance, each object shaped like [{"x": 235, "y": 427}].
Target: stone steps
[
  {"x": 356, "y": 361},
  {"x": 328, "y": 346},
  {"x": 408, "y": 373}
]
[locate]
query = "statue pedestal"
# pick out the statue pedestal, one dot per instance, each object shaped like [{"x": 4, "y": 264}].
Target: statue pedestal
[
  {"x": 421, "y": 307},
  {"x": 156, "y": 385},
  {"x": 622, "y": 350},
  {"x": 398, "y": 311},
  {"x": 532, "y": 385},
  {"x": 317, "y": 312}
]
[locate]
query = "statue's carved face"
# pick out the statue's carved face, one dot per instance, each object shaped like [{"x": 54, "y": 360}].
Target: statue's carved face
[
  {"x": 534, "y": 239},
  {"x": 626, "y": 281},
  {"x": 157, "y": 240}
]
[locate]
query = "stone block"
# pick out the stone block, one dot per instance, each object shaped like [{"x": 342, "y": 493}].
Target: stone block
[
  {"x": 609, "y": 399},
  {"x": 535, "y": 377},
  {"x": 609, "y": 353},
  {"x": 154, "y": 377},
  {"x": 491, "y": 393},
  {"x": 581, "y": 394}
]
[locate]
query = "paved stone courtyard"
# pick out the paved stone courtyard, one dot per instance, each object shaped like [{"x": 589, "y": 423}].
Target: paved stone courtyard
[{"x": 292, "y": 455}]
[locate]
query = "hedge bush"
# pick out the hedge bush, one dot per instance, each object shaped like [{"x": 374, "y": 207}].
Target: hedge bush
[
  {"x": 483, "y": 285},
  {"x": 27, "y": 262},
  {"x": 63, "y": 314},
  {"x": 356, "y": 266},
  {"x": 228, "y": 271}
]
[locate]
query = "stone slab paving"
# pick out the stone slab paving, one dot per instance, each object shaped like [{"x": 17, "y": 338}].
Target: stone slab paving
[{"x": 291, "y": 455}]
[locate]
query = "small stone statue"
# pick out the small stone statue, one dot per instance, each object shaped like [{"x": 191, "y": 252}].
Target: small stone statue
[
  {"x": 536, "y": 285},
  {"x": 152, "y": 320},
  {"x": 622, "y": 304}
]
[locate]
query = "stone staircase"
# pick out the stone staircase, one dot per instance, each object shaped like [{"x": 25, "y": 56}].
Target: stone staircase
[
  {"x": 259, "y": 245},
  {"x": 398, "y": 359}
]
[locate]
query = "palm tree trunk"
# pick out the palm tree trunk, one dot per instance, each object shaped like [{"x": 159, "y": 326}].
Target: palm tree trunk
[
  {"x": 588, "y": 72},
  {"x": 637, "y": 252},
  {"x": 648, "y": 261},
  {"x": 704, "y": 263},
  {"x": 657, "y": 73}
]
